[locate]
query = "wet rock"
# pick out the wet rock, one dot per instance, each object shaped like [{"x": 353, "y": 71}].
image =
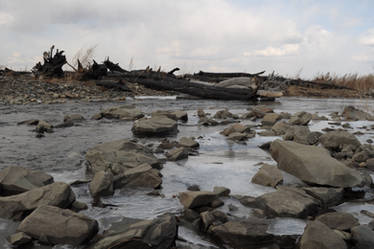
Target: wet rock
[
  {"x": 201, "y": 113},
  {"x": 19, "y": 239},
  {"x": 260, "y": 111},
  {"x": 363, "y": 236},
  {"x": 159, "y": 233},
  {"x": 196, "y": 199},
  {"x": 208, "y": 122},
  {"x": 361, "y": 156},
  {"x": 119, "y": 156},
  {"x": 265, "y": 146},
  {"x": 370, "y": 163},
  {"x": 313, "y": 165},
  {"x": 318, "y": 235},
  {"x": 123, "y": 113},
  {"x": 177, "y": 154},
  {"x": 236, "y": 128},
  {"x": 247, "y": 201},
  {"x": 338, "y": 220},
  {"x": 270, "y": 119},
  {"x": 316, "y": 117},
  {"x": 268, "y": 176},
  {"x": 17, "y": 206},
  {"x": 54, "y": 225},
  {"x": 352, "y": 113},
  {"x": 246, "y": 234},
  {"x": 175, "y": 115},
  {"x": 16, "y": 180},
  {"x": 29, "y": 122},
  {"x": 288, "y": 202},
  {"x": 212, "y": 218},
  {"x": 155, "y": 126},
  {"x": 225, "y": 114},
  {"x": 43, "y": 126},
  {"x": 188, "y": 142},
  {"x": 73, "y": 118},
  {"x": 280, "y": 128},
  {"x": 217, "y": 203},
  {"x": 300, "y": 118},
  {"x": 101, "y": 184},
  {"x": 193, "y": 187},
  {"x": 221, "y": 191},
  {"x": 327, "y": 196},
  {"x": 141, "y": 176},
  {"x": 338, "y": 140},
  {"x": 236, "y": 136},
  {"x": 78, "y": 206}
]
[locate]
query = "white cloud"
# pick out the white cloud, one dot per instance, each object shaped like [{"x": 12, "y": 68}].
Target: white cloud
[
  {"x": 5, "y": 18},
  {"x": 368, "y": 38},
  {"x": 288, "y": 49}
]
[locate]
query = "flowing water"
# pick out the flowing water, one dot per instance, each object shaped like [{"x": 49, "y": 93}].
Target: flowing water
[{"x": 219, "y": 163}]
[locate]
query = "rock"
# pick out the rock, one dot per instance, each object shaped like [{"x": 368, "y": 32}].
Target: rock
[
  {"x": 352, "y": 113},
  {"x": 54, "y": 225},
  {"x": 370, "y": 163},
  {"x": 212, "y": 218},
  {"x": 260, "y": 111},
  {"x": 236, "y": 136},
  {"x": 244, "y": 234},
  {"x": 338, "y": 140},
  {"x": 327, "y": 196},
  {"x": 313, "y": 165},
  {"x": 141, "y": 176},
  {"x": 338, "y": 220},
  {"x": 119, "y": 156},
  {"x": 73, "y": 118},
  {"x": 29, "y": 122},
  {"x": 225, "y": 114},
  {"x": 270, "y": 119},
  {"x": 280, "y": 128},
  {"x": 300, "y": 118},
  {"x": 123, "y": 113},
  {"x": 193, "y": 187},
  {"x": 175, "y": 115},
  {"x": 268, "y": 176},
  {"x": 265, "y": 146},
  {"x": 363, "y": 236},
  {"x": 159, "y": 233},
  {"x": 188, "y": 142},
  {"x": 318, "y": 235},
  {"x": 78, "y": 206},
  {"x": 155, "y": 126},
  {"x": 269, "y": 94},
  {"x": 236, "y": 128},
  {"x": 316, "y": 117},
  {"x": 43, "y": 126},
  {"x": 196, "y": 199},
  {"x": 16, "y": 180},
  {"x": 201, "y": 113},
  {"x": 361, "y": 156},
  {"x": 208, "y": 122},
  {"x": 177, "y": 154},
  {"x": 288, "y": 202},
  {"x": 221, "y": 191},
  {"x": 101, "y": 184},
  {"x": 16, "y": 206},
  {"x": 19, "y": 238}
]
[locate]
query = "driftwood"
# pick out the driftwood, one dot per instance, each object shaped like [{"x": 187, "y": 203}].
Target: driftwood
[
  {"x": 94, "y": 72},
  {"x": 113, "y": 67},
  {"x": 52, "y": 64},
  {"x": 217, "y": 77},
  {"x": 113, "y": 84}
]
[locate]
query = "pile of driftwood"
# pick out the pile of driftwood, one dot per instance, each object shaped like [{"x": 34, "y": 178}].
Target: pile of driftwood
[{"x": 203, "y": 84}]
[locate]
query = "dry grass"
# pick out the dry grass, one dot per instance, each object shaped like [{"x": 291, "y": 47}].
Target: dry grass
[
  {"x": 85, "y": 56},
  {"x": 362, "y": 83}
]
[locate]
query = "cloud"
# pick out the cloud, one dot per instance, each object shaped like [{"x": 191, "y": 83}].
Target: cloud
[
  {"x": 368, "y": 38},
  {"x": 5, "y": 18},
  {"x": 288, "y": 49}
]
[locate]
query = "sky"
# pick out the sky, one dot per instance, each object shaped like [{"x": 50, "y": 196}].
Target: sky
[{"x": 289, "y": 37}]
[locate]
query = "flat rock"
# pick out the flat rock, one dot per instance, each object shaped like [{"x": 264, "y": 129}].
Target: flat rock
[
  {"x": 318, "y": 235},
  {"x": 352, "y": 113},
  {"x": 123, "y": 113},
  {"x": 175, "y": 115},
  {"x": 236, "y": 128},
  {"x": 101, "y": 184},
  {"x": 19, "y": 238},
  {"x": 268, "y": 176},
  {"x": 225, "y": 114},
  {"x": 338, "y": 220},
  {"x": 73, "y": 118},
  {"x": 155, "y": 126},
  {"x": 327, "y": 196},
  {"x": 54, "y": 225},
  {"x": 177, "y": 154},
  {"x": 313, "y": 164},
  {"x": 141, "y": 176},
  {"x": 300, "y": 118},
  {"x": 195, "y": 199},
  {"x": 16, "y": 180},
  {"x": 16, "y": 206},
  {"x": 270, "y": 119},
  {"x": 188, "y": 142}
]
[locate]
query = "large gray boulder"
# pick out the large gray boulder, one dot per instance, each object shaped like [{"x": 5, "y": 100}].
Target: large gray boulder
[
  {"x": 119, "y": 156},
  {"x": 16, "y": 206},
  {"x": 339, "y": 140},
  {"x": 159, "y": 233},
  {"x": 53, "y": 225},
  {"x": 318, "y": 235},
  {"x": 288, "y": 202},
  {"x": 16, "y": 180},
  {"x": 122, "y": 112},
  {"x": 244, "y": 234},
  {"x": 313, "y": 165},
  {"x": 196, "y": 199},
  {"x": 155, "y": 126}
]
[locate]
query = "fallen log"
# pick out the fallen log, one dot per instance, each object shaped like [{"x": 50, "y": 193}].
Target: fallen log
[
  {"x": 113, "y": 67},
  {"x": 217, "y": 77},
  {"x": 113, "y": 84}
]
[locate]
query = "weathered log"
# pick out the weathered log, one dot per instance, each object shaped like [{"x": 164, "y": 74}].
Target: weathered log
[
  {"x": 113, "y": 84},
  {"x": 52, "y": 64},
  {"x": 94, "y": 72},
  {"x": 217, "y": 77},
  {"x": 113, "y": 67}
]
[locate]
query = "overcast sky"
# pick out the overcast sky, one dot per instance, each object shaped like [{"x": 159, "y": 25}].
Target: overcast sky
[{"x": 291, "y": 37}]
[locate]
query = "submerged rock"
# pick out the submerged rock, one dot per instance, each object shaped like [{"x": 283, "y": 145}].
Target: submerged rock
[
  {"x": 313, "y": 165},
  {"x": 16, "y": 180},
  {"x": 53, "y": 225},
  {"x": 155, "y": 126},
  {"x": 122, "y": 112},
  {"x": 43, "y": 126}
]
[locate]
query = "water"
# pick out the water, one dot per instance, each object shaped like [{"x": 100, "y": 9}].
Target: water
[{"x": 219, "y": 163}]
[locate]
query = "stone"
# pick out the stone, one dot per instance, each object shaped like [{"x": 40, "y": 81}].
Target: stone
[
  {"x": 159, "y": 233},
  {"x": 318, "y": 235},
  {"x": 54, "y": 225},
  {"x": 196, "y": 199},
  {"x": 313, "y": 165},
  {"x": 280, "y": 128},
  {"x": 177, "y": 154},
  {"x": 141, "y": 176},
  {"x": 259, "y": 111},
  {"x": 338, "y": 220},
  {"x": 119, "y": 156},
  {"x": 236, "y": 136},
  {"x": 225, "y": 114},
  {"x": 246, "y": 234},
  {"x": 122, "y": 113},
  {"x": 175, "y": 115},
  {"x": 316, "y": 117},
  {"x": 268, "y": 176},
  {"x": 101, "y": 184},
  {"x": 338, "y": 140},
  {"x": 352, "y": 113},
  {"x": 370, "y": 163},
  {"x": 201, "y": 113},
  {"x": 212, "y": 218},
  {"x": 300, "y": 118},
  {"x": 327, "y": 196},
  {"x": 236, "y": 128},
  {"x": 221, "y": 191},
  {"x": 16, "y": 206},
  {"x": 19, "y": 239},
  {"x": 16, "y": 180},
  {"x": 154, "y": 126},
  {"x": 43, "y": 126},
  {"x": 29, "y": 122},
  {"x": 363, "y": 236},
  {"x": 288, "y": 202},
  {"x": 188, "y": 142},
  {"x": 73, "y": 118},
  {"x": 270, "y": 119}
]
